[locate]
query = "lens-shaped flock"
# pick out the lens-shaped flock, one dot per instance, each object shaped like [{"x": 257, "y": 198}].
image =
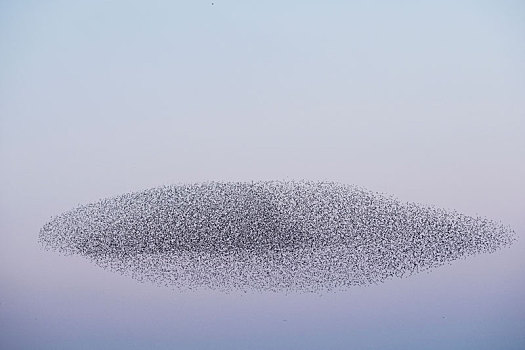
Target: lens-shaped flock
[{"x": 274, "y": 235}]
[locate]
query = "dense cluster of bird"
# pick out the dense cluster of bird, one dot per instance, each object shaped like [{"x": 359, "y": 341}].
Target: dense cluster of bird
[{"x": 273, "y": 235}]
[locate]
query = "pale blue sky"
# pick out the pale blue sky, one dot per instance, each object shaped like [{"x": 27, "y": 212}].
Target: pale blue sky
[{"x": 424, "y": 100}]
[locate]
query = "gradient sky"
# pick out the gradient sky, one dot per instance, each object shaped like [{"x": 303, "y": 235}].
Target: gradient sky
[{"x": 423, "y": 100}]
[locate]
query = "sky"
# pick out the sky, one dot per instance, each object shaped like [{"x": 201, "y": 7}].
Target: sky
[{"x": 422, "y": 100}]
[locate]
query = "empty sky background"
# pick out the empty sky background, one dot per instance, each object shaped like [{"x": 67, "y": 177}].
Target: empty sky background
[{"x": 423, "y": 100}]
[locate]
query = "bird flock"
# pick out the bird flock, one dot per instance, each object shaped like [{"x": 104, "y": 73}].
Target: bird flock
[{"x": 268, "y": 235}]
